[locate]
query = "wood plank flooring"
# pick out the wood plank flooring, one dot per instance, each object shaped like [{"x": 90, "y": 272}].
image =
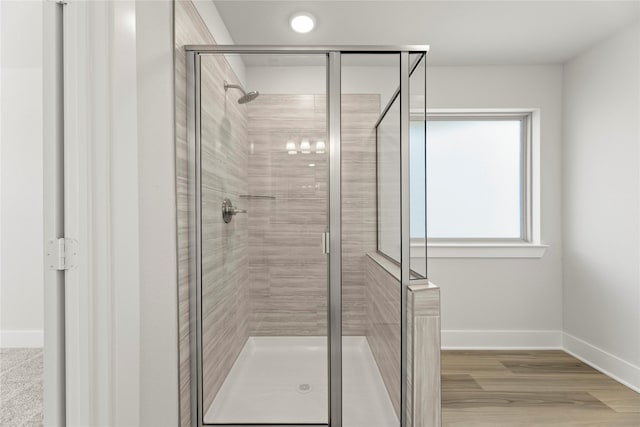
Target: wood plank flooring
[{"x": 531, "y": 388}]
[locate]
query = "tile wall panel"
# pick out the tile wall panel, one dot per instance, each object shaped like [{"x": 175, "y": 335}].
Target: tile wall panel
[
  {"x": 359, "y": 115},
  {"x": 423, "y": 356},
  {"x": 225, "y": 246},
  {"x": 225, "y": 273},
  {"x": 383, "y": 331},
  {"x": 287, "y": 269},
  {"x": 288, "y": 272}
]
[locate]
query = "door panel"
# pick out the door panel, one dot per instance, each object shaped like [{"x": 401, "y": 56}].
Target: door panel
[{"x": 263, "y": 202}]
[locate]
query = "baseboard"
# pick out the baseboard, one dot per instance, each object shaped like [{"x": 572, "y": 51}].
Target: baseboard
[
  {"x": 498, "y": 340},
  {"x": 613, "y": 366},
  {"x": 21, "y": 339},
  {"x": 610, "y": 365}
]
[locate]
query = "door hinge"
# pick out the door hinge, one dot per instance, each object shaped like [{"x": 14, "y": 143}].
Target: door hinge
[
  {"x": 325, "y": 242},
  {"x": 61, "y": 254}
]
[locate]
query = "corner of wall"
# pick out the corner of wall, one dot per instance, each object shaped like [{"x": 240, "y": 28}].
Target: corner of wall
[
  {"x": 605, "y": 362},
  {"x": 600, "y": 275},
  {"x": 218, "y": 29}
]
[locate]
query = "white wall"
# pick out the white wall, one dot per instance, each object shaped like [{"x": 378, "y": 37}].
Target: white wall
[
  {"x": 21, "y": 200},
  {"x": 601, "y": 206},
  {"x": 503, "y": 302},
  {"x": 157, "y": 210}
]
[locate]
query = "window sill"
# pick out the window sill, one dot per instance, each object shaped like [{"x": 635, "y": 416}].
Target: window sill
[{"x": 480, "y": 250}]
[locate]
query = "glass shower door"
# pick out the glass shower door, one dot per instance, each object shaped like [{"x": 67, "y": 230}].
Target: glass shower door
[
  {"x": 263, "y": 188},
  {"x": 293, "y": 325}
]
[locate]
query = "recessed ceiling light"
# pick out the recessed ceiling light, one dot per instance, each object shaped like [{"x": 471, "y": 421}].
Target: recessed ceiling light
[{"x": 302, "y": 22}]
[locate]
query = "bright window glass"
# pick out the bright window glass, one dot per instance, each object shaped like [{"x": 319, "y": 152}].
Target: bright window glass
[{"x": 475, "y": 178}]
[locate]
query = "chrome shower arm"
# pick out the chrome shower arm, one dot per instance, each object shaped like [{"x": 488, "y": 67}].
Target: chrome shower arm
[{"x": 233, "y": 86}]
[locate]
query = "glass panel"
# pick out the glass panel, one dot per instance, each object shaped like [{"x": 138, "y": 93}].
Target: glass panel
[
  {"x": 474, "y": 178},
  {"x": 388, "y": 182},
  {"x": 388, "y": 134},
  {"x": 418, "y": 180},
  {"x": 264, "y": 275},
  {"x": 417, "y": 166},
  {"x": 370, "y": 296}
]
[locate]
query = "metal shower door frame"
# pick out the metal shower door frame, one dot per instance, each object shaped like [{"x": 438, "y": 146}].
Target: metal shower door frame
[{"x": 333, "y": 54}]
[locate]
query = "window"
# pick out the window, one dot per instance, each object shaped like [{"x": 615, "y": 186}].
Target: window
[{"x": 478, "y": 177}]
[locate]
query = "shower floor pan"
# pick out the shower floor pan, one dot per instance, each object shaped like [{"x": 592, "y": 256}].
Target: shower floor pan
[{"x": 283, "y": 380}]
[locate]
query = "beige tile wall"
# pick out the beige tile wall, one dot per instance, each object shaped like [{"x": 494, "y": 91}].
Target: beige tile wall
[
  {"x": 383, "y": 331},
  {"x": 225, "y": 263},
  {"x": 359, "y": 115},
  {"x": 422, "y": 337},
  {"x": 287, "y": 271},
  {"x": 225, "y": 273},
  {"x": 423, "y": 356}
]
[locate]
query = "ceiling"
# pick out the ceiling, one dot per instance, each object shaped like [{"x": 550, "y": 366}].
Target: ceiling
[{"x": 459, "y": 32}]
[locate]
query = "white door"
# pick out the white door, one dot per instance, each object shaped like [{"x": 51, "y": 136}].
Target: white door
[
  {"x": 100, "y": 188},
  {"x": 97, "y": 195},
  {"x": 84, "y": 323}
]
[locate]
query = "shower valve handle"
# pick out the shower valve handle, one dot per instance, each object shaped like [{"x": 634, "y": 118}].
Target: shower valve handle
[{"x": 228, "y": 211}]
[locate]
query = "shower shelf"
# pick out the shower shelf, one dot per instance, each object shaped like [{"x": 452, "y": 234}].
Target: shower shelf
[{"x": 250, "y": 196}]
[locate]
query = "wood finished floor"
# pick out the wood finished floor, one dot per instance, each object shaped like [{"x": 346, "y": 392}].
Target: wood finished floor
[{"x": 531, "y": 388}]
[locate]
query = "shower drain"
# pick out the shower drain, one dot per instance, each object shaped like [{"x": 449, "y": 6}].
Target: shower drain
[{"x": 303, "y": 388}]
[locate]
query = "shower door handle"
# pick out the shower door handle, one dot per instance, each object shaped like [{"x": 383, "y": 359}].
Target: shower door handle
[{"x": 325, "y": 242}]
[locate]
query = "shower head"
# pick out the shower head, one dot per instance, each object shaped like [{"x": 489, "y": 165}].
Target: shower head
[{"x": 246, "y": 97}]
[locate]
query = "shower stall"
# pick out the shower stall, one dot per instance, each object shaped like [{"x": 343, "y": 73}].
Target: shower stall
[{"x": 306, "y": 233}]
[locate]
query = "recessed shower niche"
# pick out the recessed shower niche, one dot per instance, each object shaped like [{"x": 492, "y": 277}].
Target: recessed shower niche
[{"x": 298, "y": 316}]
